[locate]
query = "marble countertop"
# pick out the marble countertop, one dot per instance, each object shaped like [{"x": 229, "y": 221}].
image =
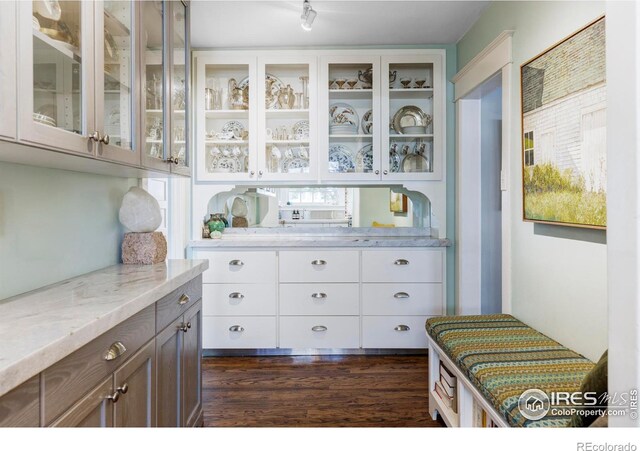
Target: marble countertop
[
  {"x": 322, "y": 237},
  {"x": 41, "y": 327}
]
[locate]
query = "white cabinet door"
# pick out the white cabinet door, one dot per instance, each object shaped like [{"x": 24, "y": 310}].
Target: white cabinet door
[
  {"x": 56, "y": 78},
  {"x": 8, "y": 95}
]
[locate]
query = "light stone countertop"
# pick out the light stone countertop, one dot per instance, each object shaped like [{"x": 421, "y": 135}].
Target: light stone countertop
[{"x": 41, "y": 327}]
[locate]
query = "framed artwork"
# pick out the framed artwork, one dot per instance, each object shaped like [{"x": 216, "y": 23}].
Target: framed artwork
[
  {"x": 564, "y": 136},
  {"x": 398, "y": 203}
]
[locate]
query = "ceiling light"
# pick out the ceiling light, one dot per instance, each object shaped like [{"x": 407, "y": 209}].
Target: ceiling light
[{"x": 308, "y": 16}]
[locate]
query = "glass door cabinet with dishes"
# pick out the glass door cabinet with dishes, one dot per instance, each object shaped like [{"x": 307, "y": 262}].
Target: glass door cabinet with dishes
[{"x": 81, "y": 87}]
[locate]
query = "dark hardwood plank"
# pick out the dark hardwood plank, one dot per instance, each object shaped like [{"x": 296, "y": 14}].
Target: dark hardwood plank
[{"x": 314, "y": 391}]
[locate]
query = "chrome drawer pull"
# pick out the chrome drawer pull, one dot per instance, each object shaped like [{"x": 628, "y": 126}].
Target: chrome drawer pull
[
  {"x": 114, "y": 351},
  {"x": 236, "y": 263},
  {"x": 236, "y": 329},
  {"x": 402, "y": 328},
  {"x": 318, "y": 263},
  {"x": 114, "y": 398},
  {"x": 183, "y": 299},
  {"x": 236, "y": 295},
  {"x": 319, "y": 328},
  {"x": 401, "y": 262},
  {"x": 319, "y": 295},
  {"x": 401, "y": 295},
  {"x": 123, "y": 389},
  {"x": 183, "y": 327}
]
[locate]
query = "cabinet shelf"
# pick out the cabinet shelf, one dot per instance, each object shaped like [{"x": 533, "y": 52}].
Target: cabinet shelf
[
  {"x": 293, "y": 113},
  {"x": 226, "y": 142},
  {"x": 394, "y": 90},
  {"x": 354, "y": 137},
  {"x": 288, "y": 141},
  {"x": 67, "y": 50},
  {"x": 231, "y": 114},
  {"x": 411, "y": 136},
  {"x": 351, "y": 93},
  {"x": 114, "y": 26}
]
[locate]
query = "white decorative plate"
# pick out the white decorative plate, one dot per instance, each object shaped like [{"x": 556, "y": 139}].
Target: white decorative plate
[
  {"x": 343, "y": 119},
  {"x": 364, "y": 159},
  {"x": 301, "y": 130},
  {"x": 234, "y": 127},
  {"x": 340, "y": 159},
  {"x": 367, "y": 123}
]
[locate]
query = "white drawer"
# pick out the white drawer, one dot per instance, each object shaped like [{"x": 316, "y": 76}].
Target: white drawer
[
  {"x": 319, "y": 332},
  {"x": 239, "y": 266},
  {"x": 380, "y": 332},
  {"x": 402, "y": 265},
  {"x": 319, "y": 299},
  {"x": 253, "y": 332},
  {"x": 234, "y": 299},
  {"x": 402, "y": 299},
  {"x": 319, "y": 266}
]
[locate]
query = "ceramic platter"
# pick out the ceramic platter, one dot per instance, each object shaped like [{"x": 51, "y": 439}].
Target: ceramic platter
[
  {"x": 410, "y": 119},
  {"x": 364, "y": 159},
  {"x": 225, "y": 164},
  {"x": 343, "y": 119},
  {"x": 394, "y": 161},
  {"x": 301, "y": 130},
  {"x": 367, "y": 123},
  {"x": 295, "y": 165},
  {"x": 275, "y": 87},
  {"x": 234, "y": 127},
  {"x": 341, "y": 159}
]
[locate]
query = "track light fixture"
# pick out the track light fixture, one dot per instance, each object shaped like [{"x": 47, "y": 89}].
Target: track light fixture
[{"x": 308, "y": 16}]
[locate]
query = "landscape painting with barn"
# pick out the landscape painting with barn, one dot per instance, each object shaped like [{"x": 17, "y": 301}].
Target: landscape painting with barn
[{"x": 564, "y": 132}]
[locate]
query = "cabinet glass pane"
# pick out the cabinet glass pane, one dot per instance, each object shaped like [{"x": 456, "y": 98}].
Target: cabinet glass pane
[
  {"x": 57, "y": 65},
  {"x": 350, "y": 118},
  {"x": 227, "y": 118},
  {"x": 118, "y": 72},
  {"x": 152, "y": 41},
  {"x": 287, "y": 118},
  {"x": 411, "y": 121},
  {"x": 179, "y": 89}
]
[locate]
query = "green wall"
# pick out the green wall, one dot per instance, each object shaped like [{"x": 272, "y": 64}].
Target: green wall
[
  {"x": 559, "y": 274},
  {"x": 55, "y": 225}
]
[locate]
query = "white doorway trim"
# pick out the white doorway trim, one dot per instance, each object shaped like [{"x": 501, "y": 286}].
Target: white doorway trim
[{"x": 494, "y": 59}]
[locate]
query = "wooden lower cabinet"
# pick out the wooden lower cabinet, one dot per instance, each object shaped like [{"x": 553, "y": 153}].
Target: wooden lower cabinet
[
  {"x": 192, "y": 367},
  {"x": 168, "y": 355},
  {"x": 94, "y": 410},
  {"x": 135, "y": 381},
  {"x": 21, "y": 406}
]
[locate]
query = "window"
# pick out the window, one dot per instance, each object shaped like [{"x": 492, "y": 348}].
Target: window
[
  {"x": 528, "y": 149},
  {"x": 329, "y": 197}
]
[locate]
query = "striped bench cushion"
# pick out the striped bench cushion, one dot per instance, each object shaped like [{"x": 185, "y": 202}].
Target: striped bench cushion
[{"x": 503, "y": 357}]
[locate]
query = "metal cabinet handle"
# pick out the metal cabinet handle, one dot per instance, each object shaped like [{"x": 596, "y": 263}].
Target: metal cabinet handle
[
  {"x": 189, "y": 325},
  {"x": 385, "y": 172},
  {"x": 318, "y": 263},
  {"x": 377, "y": 172},
  {"x": 114, "y": 351},
  {"x": 95, "y": 136},
  {"x": 105, "y": 139},
  {"x": 319, "y": 295},
  {"x": 319, "y": 328},
  {"x": 236, "y": 295},
  {"x": 260, "y": 173},
  {"x": 401, "y": 262},
  {"x": 183, "y": 327},
  {"x": 401, "y": 295},
  {"x": 402, "y": 328},
  {"x": 236, "y": 263},
  {"x": 114, "y": 398},
  {"x": 123, "y": 389},
  {"x": 252, "y": 173},
  {"x": 184, "y": 299},
  {"x": 236, "y": 329}
]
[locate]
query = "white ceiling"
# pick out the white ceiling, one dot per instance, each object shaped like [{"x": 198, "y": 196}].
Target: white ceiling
[{"x": 238, "y": 23}]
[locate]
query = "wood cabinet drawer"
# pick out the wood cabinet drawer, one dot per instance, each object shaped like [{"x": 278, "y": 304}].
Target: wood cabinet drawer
[
  {"x": 319, "y": 266},
  {"x": 299, "y": 332},
  {"x": 402, "y": 299},
  {"x": 319, "y": 299},
  {"x": 402, "y": 265},
  {"x": 394, "y": 332},
  {"x": 177, "y": 302},
  {"x": 233, "y": 299},
  {"x": 228, "y": 332},
  {"x": 21, "y": 406},
  {"x": 239, "y": 266},
  {"x": 68, "y": 380}
]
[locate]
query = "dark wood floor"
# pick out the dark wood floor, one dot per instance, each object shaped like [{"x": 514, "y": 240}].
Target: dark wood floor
[{"x": 313, "y": 391}]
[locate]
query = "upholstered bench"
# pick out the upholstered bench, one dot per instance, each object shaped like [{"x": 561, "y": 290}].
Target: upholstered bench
[{"x": 496, "y": 358}]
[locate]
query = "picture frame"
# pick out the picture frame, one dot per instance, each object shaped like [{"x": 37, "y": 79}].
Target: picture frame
[
  {"x": 398, "y": 203},
  {"x": 563, "y": 118}
]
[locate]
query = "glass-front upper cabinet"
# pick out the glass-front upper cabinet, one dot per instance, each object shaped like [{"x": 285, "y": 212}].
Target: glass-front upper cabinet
[
  {"x": 349, "y": 134},
  {"x": 180, "y": 105},
  {"x": 226, "y": 110},
  {"x": 287, "y": 101},
  {"x": 56, "y": 79},
  {"x": 412, "y": 100},
  {"x": 8, "y": 96},
  {"x": 115, "y": 80},
  {"x": 154, "y": 84}
]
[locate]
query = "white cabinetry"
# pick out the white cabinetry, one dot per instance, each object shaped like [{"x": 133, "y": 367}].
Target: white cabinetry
[
  {"x": 321, "y": 298},
  {"x": 8, "y": 95}
]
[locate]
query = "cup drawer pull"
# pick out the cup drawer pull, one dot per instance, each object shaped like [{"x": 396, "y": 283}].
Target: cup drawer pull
[
  {"x": 183, "y": 299},
  {"x": 319, "y": 295},
  {"x": 401, "y": 295},
  {"x": 236, "y": 263},
  {"x": 236, "y": 295},
  {"x": 319, "y": 328},
  {"x": 318, "y": 262},
  {"x": 114, "y": 351},
  {"x": 236, "y": 329},
  {"x": 401, "y": 262},
  {"x": 402, "y": 328}
]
